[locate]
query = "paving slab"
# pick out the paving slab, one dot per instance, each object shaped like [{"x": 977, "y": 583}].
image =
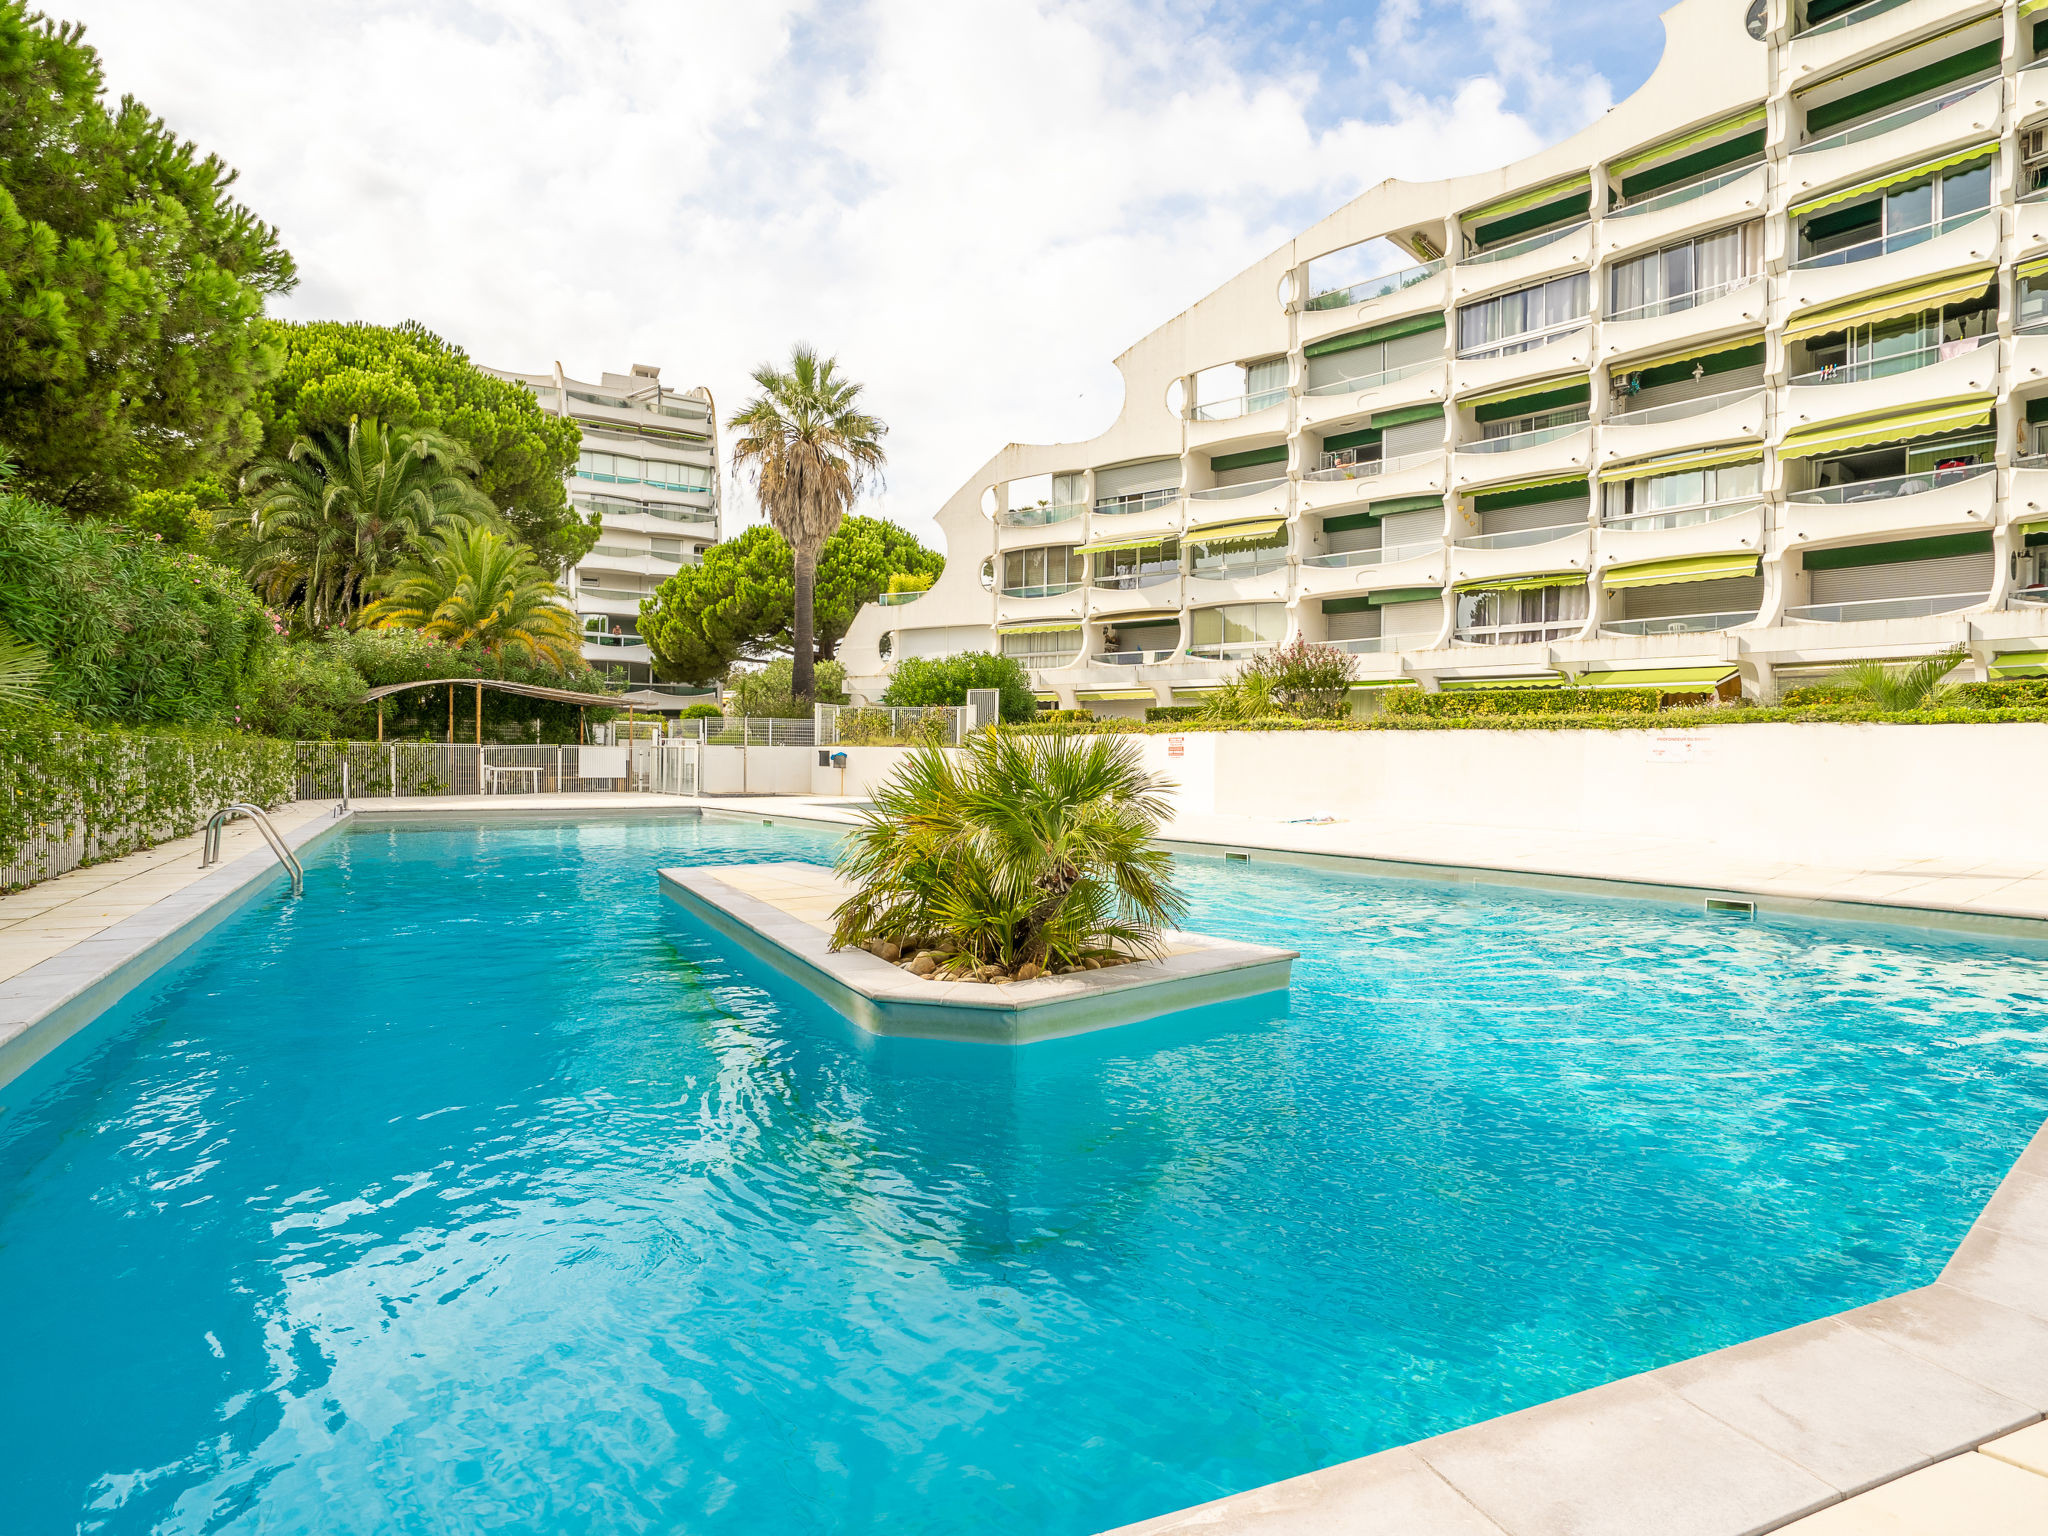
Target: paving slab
[
  {"x": 1392, "y": 1494},
  {"x": 1972, "y": 1495}
]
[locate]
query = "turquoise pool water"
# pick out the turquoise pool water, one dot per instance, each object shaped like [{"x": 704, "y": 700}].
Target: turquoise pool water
[{"x": 483, "y": 1191}]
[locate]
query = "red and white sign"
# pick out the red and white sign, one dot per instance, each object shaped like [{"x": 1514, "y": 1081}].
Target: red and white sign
[{"x": 1176, "y": 746}]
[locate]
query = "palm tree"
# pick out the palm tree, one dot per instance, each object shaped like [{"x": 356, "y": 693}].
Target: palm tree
[
  {"x": 1030, "y": 850},
  {"x": 473, "y": 584},
  {"x": 341, "y": 510},
  {"x": 810, "y": 450},
  {"x": 1902, "y": 687}
]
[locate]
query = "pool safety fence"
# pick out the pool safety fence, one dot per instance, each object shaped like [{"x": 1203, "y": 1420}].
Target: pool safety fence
[
  {"x": 876, "y": 725},
  {"x": 409, "y": 768}
]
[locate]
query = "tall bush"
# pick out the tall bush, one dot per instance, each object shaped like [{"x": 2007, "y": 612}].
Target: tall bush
[
  {"x": 770, "y": 691},
  {"x": 1300, "y": 678},
  {"x": 922, "y": 681}
]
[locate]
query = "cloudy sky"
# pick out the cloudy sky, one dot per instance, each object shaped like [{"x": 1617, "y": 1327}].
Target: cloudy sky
[{"x": 975, "y": 203}]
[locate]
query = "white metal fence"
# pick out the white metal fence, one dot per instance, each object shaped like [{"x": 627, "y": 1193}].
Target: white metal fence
[
  {"x": 384, "y": 769},
  {"x": 875, "y": 725}
]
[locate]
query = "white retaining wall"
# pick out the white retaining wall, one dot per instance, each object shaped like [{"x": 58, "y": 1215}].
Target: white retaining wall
[
  {"x": 865, "y": 768},
  {"x": 755, "y": 770}
]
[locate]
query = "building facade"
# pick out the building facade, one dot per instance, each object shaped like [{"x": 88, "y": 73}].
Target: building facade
[
  {"x": 1745, "y": 382},
  {"x": 649, "y": 469}
]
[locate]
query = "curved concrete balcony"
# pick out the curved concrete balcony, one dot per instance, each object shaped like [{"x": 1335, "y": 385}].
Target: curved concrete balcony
[
  {"x": 1259, "y": 426},
  {"x": 1548, "y": 451},
  {"x": 1159, "y": 595},
  {"x": 2030, "y": 96},
  {"x": 1861, "y": 389},
  {"x": 1870, "y": 30},
  {"x": 2028, "y": 493},
  {"x": 1968, "y": 244},
  {"x": 2028, "y": 359},
  {"x": 1414, "y": 474},
  {"x": 2030, "y": 230},
  {"x": 1727, "y": 314},
  {"x": 1568, "y": 350},
  {"x": 1902, "y": 137},
  {"x": 608, "y": 601},
  {"x": 1725, "y": 418},
  {"x": 1039, "y": 610},
  {"x": 1341, "y": 408},
  {"x": 1564, "y": 549},
  {"x": 1164, "y": 519},
  {"x": 1521, "y": 262},
  {"x": 1333, "y": 575},
  {"x": 1236, "y": 503},
  {"x": 1714, "y": 202},
  {"x": 1424, "y": 569},
  {"x": 1731, "y": 528},
  {"x": 1056, "y": 525},
  {"x": 1418, "y": 298},
  {"x": 1881, "y": 509}
]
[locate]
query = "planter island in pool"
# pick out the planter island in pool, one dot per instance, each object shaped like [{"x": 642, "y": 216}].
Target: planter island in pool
[{"x": 782, "y": 914}]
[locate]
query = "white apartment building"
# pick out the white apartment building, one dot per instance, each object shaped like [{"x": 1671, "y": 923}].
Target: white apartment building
[
  {"x": 649, "y": 469},
  {"x": 1744, "y": 382}
]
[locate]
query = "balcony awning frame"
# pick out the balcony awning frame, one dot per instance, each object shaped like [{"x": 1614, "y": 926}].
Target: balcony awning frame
[
  {"x": 1679, "y": 572},
  {"x": 1900, "y": 426}
]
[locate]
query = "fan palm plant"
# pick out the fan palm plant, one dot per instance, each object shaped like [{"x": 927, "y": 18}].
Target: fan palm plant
[
  {"x": 342, "y": 509},
  {"x": 473, "y": 584},
  {"x": 1914, "y": 686},
  {"x": 1024, "y": 851},
  {"x": 22, "y": 665},
  {"x": 810, "y": 449}
]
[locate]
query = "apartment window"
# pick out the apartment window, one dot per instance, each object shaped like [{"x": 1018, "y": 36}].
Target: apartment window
[
  {"x": 1882, "y": 348},
  {"x": 1676, "y": 278},
  {"x": 1554, "y": 423},
  {"x": 1041, "y": 572},
  {"x": 626, "y": 469},
  {"x": 1682, "y": 499},
  {"x": 1525, "y": 319},
  {"x": 1225, "y": 559},
  {"x": 2032, "y": 294},
  {"x": 1237, "y": 630},
  {"x": 1044, "y": 647},
  {"x": 1521, "y": 617},
  {"x": 1148, "y": 565},
  {"x": 1895, "y": 218}
]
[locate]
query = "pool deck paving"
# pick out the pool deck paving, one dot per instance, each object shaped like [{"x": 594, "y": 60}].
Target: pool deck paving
[{"x": 1919, "y": 1415}]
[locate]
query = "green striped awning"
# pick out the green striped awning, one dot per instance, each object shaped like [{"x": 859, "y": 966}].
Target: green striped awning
[
  {"x": 2020, "y": 663},
  {"x": 1535, "y": 197},
  {"x": 1462, "y": 684},
  {"x": 1402, "y": 416},
  {"x": 1893, "y": 179},
  {"x": 1524, "y": 583},
  {"x": 1113, "y": 695},
  {"x": 1926, "y": 421},
  {"x": 1930, "y": 293},
  {"x": 1037, "y": 629},
  {"x": 1682, "y": 463},
  {"x": 1542, "y": 482},
  {"x": 1141, "y": 541},
  {"x": 1239, "y": 528},
  {"x": 1749, "y": 117},
  {"x": 2029, "y": 7},
  {"x": 2033, "y": 266},
  {"x": 1679, "y": 679},
  {"x": 1521, "y": 391},
  {"x": 1392, "y": 330},
  {"x": 1671, "y": 573},
  {"x": 1393, "y": 597},
  {"x": 1693, "y": 353}
]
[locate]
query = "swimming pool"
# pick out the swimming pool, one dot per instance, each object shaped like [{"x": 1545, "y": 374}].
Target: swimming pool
[{"x": 484, "y": 1190}]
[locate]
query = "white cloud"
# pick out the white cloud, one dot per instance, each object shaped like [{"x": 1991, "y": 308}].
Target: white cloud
[{"x": 975, "y": 206}]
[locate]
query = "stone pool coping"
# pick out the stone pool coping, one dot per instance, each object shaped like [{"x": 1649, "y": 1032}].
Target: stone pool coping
[{"x": 774, "y": 912}]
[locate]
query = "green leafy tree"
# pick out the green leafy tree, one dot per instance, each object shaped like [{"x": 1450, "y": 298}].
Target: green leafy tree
[
  {"x": 343, "y": 509},
  {"x": 771, "y": 690},
  {"x": 809, "y": 448},
  {"x": 131, "y": 284},
  {"x": 471, "y": 586},
  {"x": 188, "y": 517},
  {"x": 333, "y": 372},
  {"x": 1025, "y": 851},
  {"x": 922, "y": 681},
  {"x": 739, "y": 602}
]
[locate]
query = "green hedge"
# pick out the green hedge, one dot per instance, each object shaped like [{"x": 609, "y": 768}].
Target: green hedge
[
  {"x": 115, "y": 790},
  {"x": 1492, "y": 702},
  {"x": 1168, "y": 713},
  {"x": 1669, "y": 719},
  {"x": 1064, "y": 716}
]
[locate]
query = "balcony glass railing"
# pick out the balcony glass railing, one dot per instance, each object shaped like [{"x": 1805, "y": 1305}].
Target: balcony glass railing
[
  {"x": 1039, "y": 517},
  {"x": 1512, "y": 442},
  {"x": 1850, "y": 17},
  {"x": 1371, "y": 467},
  {"x": 1360, "y": 385},
  {"x": 1240, "y": 405},
  {"x": 1239, "y": 569},
  {"x": 1374, "y": 287},
  {"x": 1679, "y": 303},
  {"x": 1682, "y": 410},
  {"x": 1518, "y": 634},
  {"x": 1383, "y": 556},
  {"x": 1885, "y": 367},
  {"x": 1049, "y": 589},
  {"x": 1368, "y": 645},
  {"x": 1522, "y": 247},
  {"x": 1131, "y": 658},
  {"x": 1521, "y": 538},
  {"x": 614, "y": 594},
  {"x": 1888, "y": 488},
  {"x": 898, "y": 599},
  {"x": 1680, "y": 517},
  {"x": 613, "y": 506},
  {"x": 1686, "y": 193},
  {"x": 1885, "y": 608},
  {"x": 1140, "y": 501},
  {"x": 1131, "y": 581},
  {"x": 1894, "y": 240},
  {"x": 1232, "y": 492},
  {"x": 1677, "y": 623},
  {"x": 614, "y": 642},
  {"x": 666, "y": 485},
  {"x": 1528, "y": 341},
  {"x": 1897, "y": 119},
  {"x": 1232, "y": 650}
]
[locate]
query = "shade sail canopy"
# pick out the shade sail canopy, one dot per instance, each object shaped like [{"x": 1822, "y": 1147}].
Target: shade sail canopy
[
  {"x": 1038, "y": 629},
  {"x": 524, "y": 690},
  {"x": 1535, "y": 197},
  {"x": 1683, "y": 679},
  {"x": 1671, "y": 573},
  {"x": 1926, "y": 421},
  {"x": 1241, "y": 528},
  {"x": 1524, "y": 583},
  {"x": 1893, "y": 179},
  {"x": 1682, "y": 463},
  {"x": 1670, "y": 149},
  {"x": 1931, "y": 293}
]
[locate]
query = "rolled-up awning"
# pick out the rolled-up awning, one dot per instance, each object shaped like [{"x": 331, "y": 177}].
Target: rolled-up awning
[
  {"x": 1681, "y": 463},
  {"x": 1524, "y": 583},
  {"x": 1676, "y": 679},
  {"x": 1893, "y": 179},
  {"x": 1037, "y": 629},
  {"x": 1929, "y": 293},
  {"x": 1671, "y": 573},
  {"x": 1925, "y": 421},
  {"x": 1240, "y": 528}
]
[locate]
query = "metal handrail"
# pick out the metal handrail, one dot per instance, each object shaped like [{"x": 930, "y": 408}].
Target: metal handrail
[{"x": 209, "y": 853}]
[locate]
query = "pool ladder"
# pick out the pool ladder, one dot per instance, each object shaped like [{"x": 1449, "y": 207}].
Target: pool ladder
[{"x": 210, "y": 852}]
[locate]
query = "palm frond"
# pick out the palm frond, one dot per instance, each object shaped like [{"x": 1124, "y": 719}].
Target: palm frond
[{"x": 22, "y": 667}]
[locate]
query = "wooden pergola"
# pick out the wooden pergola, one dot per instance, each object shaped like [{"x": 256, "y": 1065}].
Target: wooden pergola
[{"x": 582, "y": 701}]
